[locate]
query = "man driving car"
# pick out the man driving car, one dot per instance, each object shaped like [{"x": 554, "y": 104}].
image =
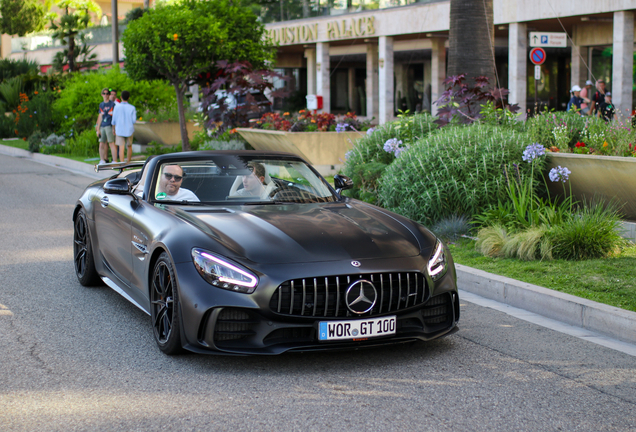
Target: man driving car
[{"x": 169, "y": 187}]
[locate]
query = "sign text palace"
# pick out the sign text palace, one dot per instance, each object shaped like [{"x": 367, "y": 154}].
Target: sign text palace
[{"x": 337, "y": 29}]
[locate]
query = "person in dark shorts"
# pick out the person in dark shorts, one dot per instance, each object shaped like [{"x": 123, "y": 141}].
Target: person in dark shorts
[{"x": 104, "y": 128}]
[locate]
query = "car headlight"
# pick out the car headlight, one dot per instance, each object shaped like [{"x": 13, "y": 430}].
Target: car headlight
[
  {"x": 437, "y": 263},
  {"x": 223, "y": 274}
]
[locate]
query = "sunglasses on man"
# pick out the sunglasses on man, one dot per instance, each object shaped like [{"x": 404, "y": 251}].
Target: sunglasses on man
[{"x": 169, "y": 176}]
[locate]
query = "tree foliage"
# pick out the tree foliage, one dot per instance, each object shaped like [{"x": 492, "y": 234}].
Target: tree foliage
[
  {"x": 20, "y": 17},
  {"x": 180, "y": 41},
  {"x": 66, "y": 28},
  {"x": 236, "y": 80}
]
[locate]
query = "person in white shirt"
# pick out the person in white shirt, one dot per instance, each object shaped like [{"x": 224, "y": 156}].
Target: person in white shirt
[
  {"x": 169, "y": 187},
  {"x": 124, "y": 119}
]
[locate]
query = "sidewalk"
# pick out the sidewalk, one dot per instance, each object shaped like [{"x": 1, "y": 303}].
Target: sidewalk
[{"x": 607, "y": 320}]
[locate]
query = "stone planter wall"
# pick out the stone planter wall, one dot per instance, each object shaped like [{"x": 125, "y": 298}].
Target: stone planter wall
[
  {"x": 324, "y": 150},
  {"x": 168, "y": 134},
  {"x": 604, "y": 176}
]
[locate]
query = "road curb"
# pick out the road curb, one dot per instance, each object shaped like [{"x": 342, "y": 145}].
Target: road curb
[
  {"x": 56, "y": 161},
  {"x": 608, "y": 320}
]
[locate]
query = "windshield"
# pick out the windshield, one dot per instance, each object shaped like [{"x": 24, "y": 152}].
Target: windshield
[{"x": 231, "y": 179}]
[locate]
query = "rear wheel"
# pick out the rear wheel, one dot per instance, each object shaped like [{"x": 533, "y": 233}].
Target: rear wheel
[
  {"x": 83, "y": 252},
  {"x": 164, "y": 299}
]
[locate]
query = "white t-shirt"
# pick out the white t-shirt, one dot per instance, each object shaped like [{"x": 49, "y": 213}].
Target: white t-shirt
[{"x": 183, "y": 195}]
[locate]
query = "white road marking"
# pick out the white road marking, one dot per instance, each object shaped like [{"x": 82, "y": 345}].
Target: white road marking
[{"x": 5, "y": 311}]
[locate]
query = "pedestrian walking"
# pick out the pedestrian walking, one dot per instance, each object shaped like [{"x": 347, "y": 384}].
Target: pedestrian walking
[
  {"x": 104, "y": 128},
  {"x": 124, "y": 119}
]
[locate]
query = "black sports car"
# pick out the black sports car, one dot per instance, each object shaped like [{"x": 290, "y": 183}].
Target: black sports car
[{"x": 255, "y": 253}]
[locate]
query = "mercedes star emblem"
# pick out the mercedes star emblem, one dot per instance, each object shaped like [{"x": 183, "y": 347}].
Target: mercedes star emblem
[
  {"x": 361, "y": 296},
  {"x": 355, "y": 263}
]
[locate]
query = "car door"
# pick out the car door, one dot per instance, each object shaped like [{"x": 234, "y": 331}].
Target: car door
[{"x": 113, "y": 220}]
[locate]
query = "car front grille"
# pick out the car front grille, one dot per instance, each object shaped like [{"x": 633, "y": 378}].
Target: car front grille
[{"x": 325, "y": 296}]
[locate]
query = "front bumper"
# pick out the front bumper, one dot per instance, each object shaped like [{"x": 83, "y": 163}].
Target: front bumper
[{"x": 224, "y": 322}]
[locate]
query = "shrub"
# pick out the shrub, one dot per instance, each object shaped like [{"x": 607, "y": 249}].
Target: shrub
[
  {"x": 76, "y": 109},
  {"x": 366, "y": 161},
  {"x": 591, "y": 232},
  {"x": 85, "y": 144},
  {"x": 10, "y": 68},
  {"x": 222, "y": 145},
  {"x": 455, "y": 171},
  {"x": 36, "y": 114},
  {"x": 451, "y": 228},
  {"x": 35, "y": 141},
  {"x": 556, "y": 129}
]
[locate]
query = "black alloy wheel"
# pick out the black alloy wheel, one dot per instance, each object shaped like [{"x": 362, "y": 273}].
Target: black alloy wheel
[
  {"x": 83, "y": 253},
  {"x": 164, "y": 299}
]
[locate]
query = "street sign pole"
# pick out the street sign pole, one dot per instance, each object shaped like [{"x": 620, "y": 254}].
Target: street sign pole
[
  {"x": 537, "y": 77},
  {"x": 537, "y": 57}
]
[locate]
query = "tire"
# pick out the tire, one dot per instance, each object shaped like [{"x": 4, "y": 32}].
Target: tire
[
  {"x": 83, "y": 259},
  {"x": 164, "y": 307}
]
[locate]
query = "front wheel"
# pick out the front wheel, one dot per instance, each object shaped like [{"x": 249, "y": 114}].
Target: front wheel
[
  {"x": 83, "y": 259},
  {"x": 164, "y": 305}
]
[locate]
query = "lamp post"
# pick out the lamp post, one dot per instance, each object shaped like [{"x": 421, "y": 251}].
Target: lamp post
[{"x": 115, "y": 27}]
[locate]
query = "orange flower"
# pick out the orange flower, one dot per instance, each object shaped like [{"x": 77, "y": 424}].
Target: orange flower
[
  {"x": 175, "y": 36},
  {"x": 605, "y": 144},
  {"x": 285, "y": 113},
  {"x": 35, "y": 92},
  {"x": 313, "y": 121},
  {"x": 302, "y": 111}
]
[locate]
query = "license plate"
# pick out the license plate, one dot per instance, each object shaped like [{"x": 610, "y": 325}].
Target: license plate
[{"x": 356, "y": 329}]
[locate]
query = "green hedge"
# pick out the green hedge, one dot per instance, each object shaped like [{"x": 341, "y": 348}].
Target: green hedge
[
  {"x": 457, "y": 171},
  {"x": 366, "y": 161},
  {"x": 77, "y": 107}
]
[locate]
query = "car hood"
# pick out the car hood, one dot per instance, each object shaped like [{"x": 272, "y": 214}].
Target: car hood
[{"x": 307, "y": 233}]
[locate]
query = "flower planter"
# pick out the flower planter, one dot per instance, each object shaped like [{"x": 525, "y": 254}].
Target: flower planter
[
  {"x": 165, "y": 133},
  {"x": 324, "y": 150},
  {"x": 607, "y": 177}
]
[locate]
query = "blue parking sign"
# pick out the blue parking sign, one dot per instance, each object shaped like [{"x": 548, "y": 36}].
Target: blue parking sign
[{"x": 544, "y": 39}]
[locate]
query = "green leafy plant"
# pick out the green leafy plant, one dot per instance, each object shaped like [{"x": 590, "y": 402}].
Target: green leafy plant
[
  {"x": 452, "y": 228},
  {"x": 591, "y": 232},
  {"x": 454, "y": 171},
  {"x": 77, "y": 105},
  {"x": 84, "y": 144},
  {"x": 35, "y": 141},
  {"x": 366, "y": 161},
  {"x": 181, "y": 42}
]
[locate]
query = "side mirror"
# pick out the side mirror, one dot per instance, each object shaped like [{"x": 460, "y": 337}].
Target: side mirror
[
  {"x": 118, "y": 186},
  {"x": 342, "y": 182}
]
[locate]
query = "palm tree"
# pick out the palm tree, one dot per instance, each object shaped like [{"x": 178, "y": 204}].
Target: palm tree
[{"x": 471, "y": 39}]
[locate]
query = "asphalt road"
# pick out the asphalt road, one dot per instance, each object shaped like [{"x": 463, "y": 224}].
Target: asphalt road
[{"x": 75, "y": 358}]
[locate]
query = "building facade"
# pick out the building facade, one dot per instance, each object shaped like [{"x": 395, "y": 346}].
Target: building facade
[
  {"x": 377, "y": 57},
  {"x": 379, "y": 61}
]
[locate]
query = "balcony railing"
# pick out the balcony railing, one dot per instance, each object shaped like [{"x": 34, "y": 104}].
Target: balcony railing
[
  {"x": 299, "y": 9},
  {"x": 94, "y": 36}
]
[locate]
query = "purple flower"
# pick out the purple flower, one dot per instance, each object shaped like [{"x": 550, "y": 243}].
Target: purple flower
[
  {"x": 348, "y": 154},
  {"x": 341, "y": 127},
  {"x": 532, "y": 152},
  {"x": 393, "y": 145},
  {"x": 559, "y": 174},
  {"x": 370, "y": 131}
]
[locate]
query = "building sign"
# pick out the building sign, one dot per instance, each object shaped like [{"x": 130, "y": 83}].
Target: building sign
[
  {"x": 548, "y": 39},
  {"x": 352, "y": 27},
  {"x": 338, "y": 29},
  {"x": 294, "y": 34}
]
